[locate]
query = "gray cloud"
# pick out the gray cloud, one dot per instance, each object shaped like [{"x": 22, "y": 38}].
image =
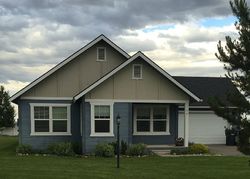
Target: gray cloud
[{"x": 33, "y": 33}]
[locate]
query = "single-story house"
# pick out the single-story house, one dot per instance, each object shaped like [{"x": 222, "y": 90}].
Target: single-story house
[{"x": 80, "y": 98}]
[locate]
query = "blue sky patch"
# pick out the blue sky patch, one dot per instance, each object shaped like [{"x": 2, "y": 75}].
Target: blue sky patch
[
  {"x": 217, "y": 22},
  {"x": 158, "y": 27}
]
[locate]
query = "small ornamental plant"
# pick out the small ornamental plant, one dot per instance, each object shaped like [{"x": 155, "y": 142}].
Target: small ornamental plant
[{"x": 179, "y": 141}]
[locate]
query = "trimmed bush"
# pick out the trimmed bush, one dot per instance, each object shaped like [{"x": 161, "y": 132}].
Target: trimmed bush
[
  {"x": 198, "y": 149},
  {"x": 104, "y": 150},
  {"x": 123, "y": 147},
  {"x": 193, "y": 149},
  {"x": 24, "y": 149},
  {"x": 77, "y": 148},
  {"x": 61, "y": 149},
  {"x": 137, "y": 150},
  {"x": 180, "y": 151}
]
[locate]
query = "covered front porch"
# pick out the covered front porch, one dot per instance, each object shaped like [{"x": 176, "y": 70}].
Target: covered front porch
[{"x": 141, "y": 121}]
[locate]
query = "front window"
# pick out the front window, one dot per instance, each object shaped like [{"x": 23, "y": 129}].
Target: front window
[
  {"x": 150, "y": 120},
  {"x": 101, "y": 119},
  {"x": 143, "y": 119},
  {"x": 50, "y": 119}
]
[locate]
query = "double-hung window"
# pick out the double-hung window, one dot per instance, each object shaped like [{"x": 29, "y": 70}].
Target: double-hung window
[
  {"x": 137, "y": 71},
  {"x": 151, "y": 120},
  {"x": 101, "y": 119},
  {"x": 101, "y": 53},
  {"x": 50, "y": 119}
]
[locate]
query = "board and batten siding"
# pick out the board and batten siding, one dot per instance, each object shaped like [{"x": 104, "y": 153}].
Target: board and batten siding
[
  {"x": 77, "y": 74},
  {"x": 41, "y": 142},
  {"x": 152, "y": 86}
]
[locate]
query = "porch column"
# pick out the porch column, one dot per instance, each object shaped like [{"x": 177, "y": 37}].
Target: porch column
[{"x": 186, "y": 123}]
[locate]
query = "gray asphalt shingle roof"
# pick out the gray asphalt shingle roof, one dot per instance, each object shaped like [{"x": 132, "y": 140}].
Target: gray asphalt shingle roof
[{"x": 205, "y": 87}]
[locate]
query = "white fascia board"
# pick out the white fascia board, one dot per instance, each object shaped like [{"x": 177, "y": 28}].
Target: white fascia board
[
  {"x": 67, "y": 60},
  {"x": 171, "y": 78},
  {"x": 138, "y": 54}
]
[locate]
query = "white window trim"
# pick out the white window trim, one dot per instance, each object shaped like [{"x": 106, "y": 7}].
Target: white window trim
[
  {"x": 50, "y": 133},
  {"x": 97, "y": 53},
  {"x": 92, "y": 112},
  {"x": 151, "y": 132},
  {"x": 133, "y": 77}
]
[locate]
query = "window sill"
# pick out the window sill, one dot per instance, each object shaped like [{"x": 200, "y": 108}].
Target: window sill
[
  {"x": 136, "y": 78},
  {"x": 50, "y": 134},
  {"x": 150, "y": 133},
  {"x": 102, "y": 135},
  {"x": 99, "y": 60}
]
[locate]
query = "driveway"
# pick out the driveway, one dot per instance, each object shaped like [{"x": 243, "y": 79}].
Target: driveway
[{"x": 224, "y": 150}]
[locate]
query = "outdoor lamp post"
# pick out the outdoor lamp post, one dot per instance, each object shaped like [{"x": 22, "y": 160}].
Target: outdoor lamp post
[{"x": 118, "y": 140}]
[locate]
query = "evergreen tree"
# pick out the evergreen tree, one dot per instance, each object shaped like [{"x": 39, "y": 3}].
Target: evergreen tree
[
  {"x": 7, "y": 112},
  {"x": 236, "y": 59}
]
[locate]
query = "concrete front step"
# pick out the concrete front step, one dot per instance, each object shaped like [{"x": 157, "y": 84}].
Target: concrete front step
[{"x": 161, "y": 152}]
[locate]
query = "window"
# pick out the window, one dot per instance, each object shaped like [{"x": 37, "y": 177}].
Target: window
[
  {"x": 50, "y": 119},
  {"x": 101, "y": 53},
  {"x": 151, "y": 120},
  {"x": 102, "y": 119},
  {"x": 143, "y": 119},
  {"x": 137, "y": 71}
]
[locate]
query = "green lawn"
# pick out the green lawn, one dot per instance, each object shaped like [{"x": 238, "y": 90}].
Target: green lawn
[{"x": 46, "y": 167}]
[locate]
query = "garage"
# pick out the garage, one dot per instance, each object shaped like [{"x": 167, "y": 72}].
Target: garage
[{"x": 204, "y": 127}]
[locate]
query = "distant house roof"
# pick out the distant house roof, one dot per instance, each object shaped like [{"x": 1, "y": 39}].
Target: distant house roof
[{"x": 205, "y": 87}]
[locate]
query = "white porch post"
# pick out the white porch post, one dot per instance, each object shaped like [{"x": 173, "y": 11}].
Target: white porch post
[{"x": 186, "y": 123}]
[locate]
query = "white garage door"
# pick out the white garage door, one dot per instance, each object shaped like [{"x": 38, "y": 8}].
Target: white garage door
[{"x": 204, "y": 127}]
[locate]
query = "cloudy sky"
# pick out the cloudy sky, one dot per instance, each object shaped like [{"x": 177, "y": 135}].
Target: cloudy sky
[{"x": 179, "y": 35}]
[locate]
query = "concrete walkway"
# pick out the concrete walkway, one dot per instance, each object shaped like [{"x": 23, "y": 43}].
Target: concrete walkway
[{"x": 224, "y": 150}]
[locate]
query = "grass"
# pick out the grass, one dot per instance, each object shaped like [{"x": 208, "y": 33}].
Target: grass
[{"x": 52, "y": 167}]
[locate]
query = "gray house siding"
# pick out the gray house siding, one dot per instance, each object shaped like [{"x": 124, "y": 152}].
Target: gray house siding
[
  {"x": 126, "y": 128},
  {"x": 162, "y": 139},
  {"x": 41, "y": 142},
  {"x": 125, "y": 112}
]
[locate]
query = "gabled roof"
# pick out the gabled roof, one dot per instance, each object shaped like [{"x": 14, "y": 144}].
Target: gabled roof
[
  {"x": 124, "y": 64},
  {"x": 67, "y": 60},
  {"x": 206, "y": 87}
]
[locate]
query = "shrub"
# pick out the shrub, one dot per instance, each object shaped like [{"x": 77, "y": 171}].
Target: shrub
[
  {"x": 198, "y": 149},
  {"x": 24, "y": 149},
  {"x": 77, "y": 148},
  {"x": 114, "y": 145},
  {"x": 192, "y": 149},
  {"x": 180, "y": 151},
  {"x": 136, "y": 149},
  {"x": 244, "y": 145},
  {"x": 123, "y": 147},
  {"x": 61, "y": 149},
  {"x": 104, "y": 150}
]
